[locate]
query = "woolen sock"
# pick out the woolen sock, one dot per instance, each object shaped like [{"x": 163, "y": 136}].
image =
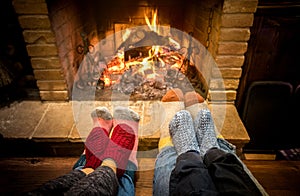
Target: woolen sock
[
  {"x": 124, "y": 115},
  {"x": 205, "y": 131},
  {"x": 120, "y": 146},
  {"x": 171, "y": 102},
  {"x": 194, "y": 102},
  {"x": 59, "y": 185},
  {"x": 183, "y": 133},
  {"x": 102, "y": 181},
  {"x": 102, "y": 118},
  {"x": 95, "y": 145}
]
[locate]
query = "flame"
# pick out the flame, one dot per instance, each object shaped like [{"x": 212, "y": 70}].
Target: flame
[
  {"x": 147, "y": 66},
  {"x": 152, "y": 25}
]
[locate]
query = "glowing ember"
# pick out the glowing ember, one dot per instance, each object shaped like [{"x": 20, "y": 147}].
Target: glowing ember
[{"x": 146, "y": 66}]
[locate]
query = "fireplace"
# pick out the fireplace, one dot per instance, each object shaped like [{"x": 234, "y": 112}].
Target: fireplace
[{"x": 62, "y": 35}]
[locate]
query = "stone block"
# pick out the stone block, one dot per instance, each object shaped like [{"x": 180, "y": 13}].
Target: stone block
[
  {"x": 54, "y": 95},
  {"x": 237, "y": 20},
  {"x": 41, "y": 50},
  {"x": 230, "y": 60},
  {"x": 30, "y": 7},
  {"x": 21, "y": 118},
  {"x": 221, "y": 96},
  {"x": 234, "y": 34},
  {"x": 45, "y": 63},
  {"x": 56, "y": 124},
  {"x": 220, "y": 84},
  {"x": 48, "y": 74},
  {"x": 51, "y": 85},
  {"x": 34, "y": 22},
  {"x": 38, "y": 36},
  {"x": 231, "y": 48},
  {"x": 238, "y": 6},
  {"x": 229, "y": 124},
  {"x": 227, "y": 73}
]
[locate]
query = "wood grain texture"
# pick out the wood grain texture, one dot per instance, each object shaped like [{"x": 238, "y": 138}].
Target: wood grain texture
[{"x": 24, "y": 174}]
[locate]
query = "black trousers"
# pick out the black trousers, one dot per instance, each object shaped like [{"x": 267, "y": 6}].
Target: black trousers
[{"x": 220, "y": 173}]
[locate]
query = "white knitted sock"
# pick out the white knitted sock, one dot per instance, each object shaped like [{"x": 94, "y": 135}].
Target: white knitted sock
[
  {"x": 205, "y": 131},
  {"x": 182, "y": 132}
]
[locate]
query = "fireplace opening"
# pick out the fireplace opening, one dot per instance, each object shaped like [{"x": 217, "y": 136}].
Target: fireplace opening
[{"x": 138, "y": 48}]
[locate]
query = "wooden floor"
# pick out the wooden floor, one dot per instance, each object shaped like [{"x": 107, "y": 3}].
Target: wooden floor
[{"x": 23, "y": 174}]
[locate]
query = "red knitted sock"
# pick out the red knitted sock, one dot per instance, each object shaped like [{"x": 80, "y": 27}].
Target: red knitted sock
[
  {"x": 124, "y": 115},
  {"x": 95, "y": 145},
  {"x": 120, "y": 146}
]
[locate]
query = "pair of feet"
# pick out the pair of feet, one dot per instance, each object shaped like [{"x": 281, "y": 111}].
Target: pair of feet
[
  {"x": 188, "y": 122},
  {"x": 190, "y": 134},
  {"x": 112, "y": 138}
]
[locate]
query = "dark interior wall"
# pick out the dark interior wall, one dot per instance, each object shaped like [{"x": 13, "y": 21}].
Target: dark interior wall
[
  {"x": 16, "y": 75},
  {"x": 273, "y": 47},
  {"x": 268, "y": 94}
]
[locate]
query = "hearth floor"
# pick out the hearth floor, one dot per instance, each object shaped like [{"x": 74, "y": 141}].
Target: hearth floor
[{"x": 60, "y": 128}]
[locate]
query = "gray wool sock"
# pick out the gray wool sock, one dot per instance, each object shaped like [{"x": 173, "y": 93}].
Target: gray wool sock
[
  {"x": 182, "y": 132},
  {"x": 205, "y": 131},
  {"x": 102, "y": 181}
]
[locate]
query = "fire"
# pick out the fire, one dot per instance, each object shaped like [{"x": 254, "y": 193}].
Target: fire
[
  {"x": 152, "y": 25},
  {"x": 143, "y": 67}
]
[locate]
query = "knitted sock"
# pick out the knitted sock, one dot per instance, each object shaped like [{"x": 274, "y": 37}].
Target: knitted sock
[
  {"x": 120, "y": 146},
  {"x": 102, "y": 118},
  {"x": 205, "y": 131},
  {"x": 59, "y": 185},
  {"x": 95, "y": 145},
  {"x": 102, "y": 181},
  {"x": 171, "y": 102},
  {"x": 182, "y": 133},
  {"x": 193, "y": 103},
  {"x": 124, "y": 115}
]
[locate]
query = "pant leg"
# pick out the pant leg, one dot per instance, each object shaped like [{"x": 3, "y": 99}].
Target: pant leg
[
  {"x": 228, "y": 174},
  {"x": 126, "y": 182},
  {"x": 190, "y": 176},
  {"x": 164, "y": 164},
  {"x": 126, "y": 186}
]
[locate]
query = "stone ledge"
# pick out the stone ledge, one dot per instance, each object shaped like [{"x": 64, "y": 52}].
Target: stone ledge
[{"x": 58, "y": 124}]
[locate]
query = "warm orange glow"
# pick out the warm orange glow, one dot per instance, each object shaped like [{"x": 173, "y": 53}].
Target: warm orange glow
[{"x": 159, "y": 57}]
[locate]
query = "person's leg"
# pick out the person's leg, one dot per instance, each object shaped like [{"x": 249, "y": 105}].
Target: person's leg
[
  {"x": 59, "y": 185},
  {"x": 126, "y": 186},
  {"x": 104, "y": 179},
  {"x": 228, "y": 173},
  {"x": 171, "y": 102},
  {"x": 164, "y": 164},
  {"x": 191, "y": 177},
  {"x": 97, "y": 139},
  {"x": 124, "y": 115}
]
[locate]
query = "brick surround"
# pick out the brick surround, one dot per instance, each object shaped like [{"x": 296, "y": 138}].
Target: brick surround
[{"x": 223, "y": 26}]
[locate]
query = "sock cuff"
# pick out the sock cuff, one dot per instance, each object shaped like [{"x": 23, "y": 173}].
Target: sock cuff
[
  {"x": 101, "y": 112},
  {"x": 125, "y": 113}
]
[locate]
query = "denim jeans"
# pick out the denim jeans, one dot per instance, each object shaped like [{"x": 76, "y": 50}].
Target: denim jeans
[
  {"x": 126, "y": 185},
  {"x": 164, "y": 164},
  {"x": 166, "y": 161}
]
